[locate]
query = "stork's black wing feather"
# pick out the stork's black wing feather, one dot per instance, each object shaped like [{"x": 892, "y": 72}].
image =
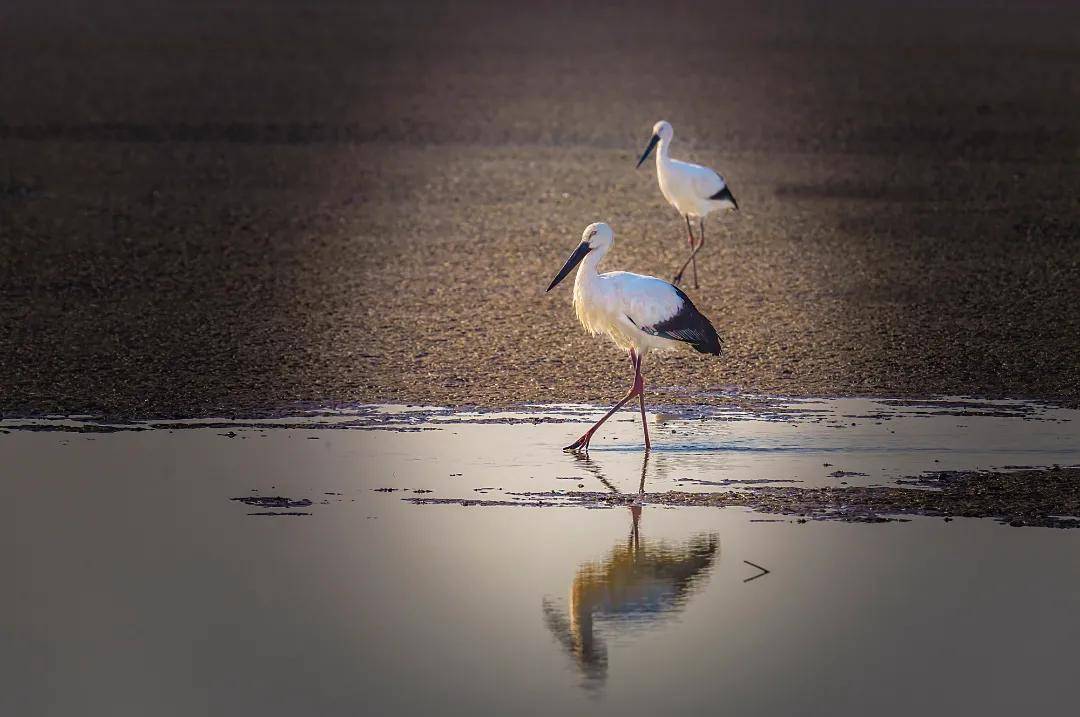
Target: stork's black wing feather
[
  {"x": 725, "y": 194},
  {"x": 688, "y": 325}
]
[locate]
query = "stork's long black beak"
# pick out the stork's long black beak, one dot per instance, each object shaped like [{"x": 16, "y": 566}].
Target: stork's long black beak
[
  {"x": 645, "y": 155},
  {"x": 574, "y": 260}
]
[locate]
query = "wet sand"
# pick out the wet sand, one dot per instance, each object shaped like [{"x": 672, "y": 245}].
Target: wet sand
[
  {"x": 850, "y": 460},
  {"x": 214, "y": 211}
]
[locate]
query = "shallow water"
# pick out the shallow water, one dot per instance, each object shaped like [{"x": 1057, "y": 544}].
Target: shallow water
[{"x": 137, "y": 586}]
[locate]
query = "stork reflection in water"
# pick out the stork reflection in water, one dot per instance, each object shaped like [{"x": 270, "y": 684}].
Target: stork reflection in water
[{"x": 639, "y": 584}]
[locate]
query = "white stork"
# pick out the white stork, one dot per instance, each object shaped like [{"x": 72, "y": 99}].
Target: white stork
[
  {"x": 693, "y": 190},
  {"x": 639, "y": 313}
]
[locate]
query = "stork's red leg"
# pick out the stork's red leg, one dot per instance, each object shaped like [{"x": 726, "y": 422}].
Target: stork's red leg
[
  {"x": 644, "y": 421},
  {"x": 689, "y": 259},
  {"x": 694, "y": 251},
  {"x": 635, "y": 390},
  {"x": 701, "y": 243},
  {"x": 639, "y": 381}
]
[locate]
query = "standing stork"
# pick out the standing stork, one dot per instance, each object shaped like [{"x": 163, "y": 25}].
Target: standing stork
[
  {"x": 639, "y": 313},
  {"x": 693, "y": 190}
]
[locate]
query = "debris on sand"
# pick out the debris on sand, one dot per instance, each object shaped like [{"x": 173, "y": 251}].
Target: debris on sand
[
  {"x": 273, "y": 513},
  {"x": 272, "y": 501},
  {"x": 1040, "y": 498}
]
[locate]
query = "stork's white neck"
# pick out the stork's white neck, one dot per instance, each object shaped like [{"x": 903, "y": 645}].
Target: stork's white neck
[
  {"x": 662, "y": 156},
  {"x": 590, "y": 265}
]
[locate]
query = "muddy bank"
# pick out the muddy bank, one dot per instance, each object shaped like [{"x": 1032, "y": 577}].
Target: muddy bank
[
  {"x": 1040, "y": 498},
  {"x": 195, "y": 223}
]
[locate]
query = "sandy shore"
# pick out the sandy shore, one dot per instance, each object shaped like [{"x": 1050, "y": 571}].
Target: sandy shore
[{"x": 340, "y": 204}]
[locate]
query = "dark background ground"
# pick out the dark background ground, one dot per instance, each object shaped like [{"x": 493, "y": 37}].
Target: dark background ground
[{"x": 211, "y": 208}]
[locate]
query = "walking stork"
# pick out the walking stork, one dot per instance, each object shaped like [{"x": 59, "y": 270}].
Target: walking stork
[
  {"x": 693, "y": 190},
  {"x": 639, "y": 313}
]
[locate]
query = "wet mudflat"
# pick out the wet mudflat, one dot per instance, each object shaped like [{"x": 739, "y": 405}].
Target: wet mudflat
[{"x": 272, "y": 566}]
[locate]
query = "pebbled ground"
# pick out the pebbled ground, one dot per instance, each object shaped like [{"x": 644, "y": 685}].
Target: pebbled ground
[{"x": 225, "y": 210}]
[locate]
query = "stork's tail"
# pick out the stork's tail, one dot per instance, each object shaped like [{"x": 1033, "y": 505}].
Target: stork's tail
[{"x": 709, "y": 341}]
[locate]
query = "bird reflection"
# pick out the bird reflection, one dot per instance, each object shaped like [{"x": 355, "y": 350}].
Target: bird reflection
[{"x": 639, "y": 583}]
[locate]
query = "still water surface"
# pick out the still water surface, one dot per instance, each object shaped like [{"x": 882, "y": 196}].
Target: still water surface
[{"x": 135, "y": 586}]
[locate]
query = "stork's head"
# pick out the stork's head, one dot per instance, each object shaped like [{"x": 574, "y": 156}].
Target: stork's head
[
  {"x": 596, "y": 237},
  {"x": 660, "y": 131}
]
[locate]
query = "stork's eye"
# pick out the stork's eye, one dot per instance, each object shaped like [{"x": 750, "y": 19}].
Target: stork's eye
[{"x": 592, "y": 233}]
